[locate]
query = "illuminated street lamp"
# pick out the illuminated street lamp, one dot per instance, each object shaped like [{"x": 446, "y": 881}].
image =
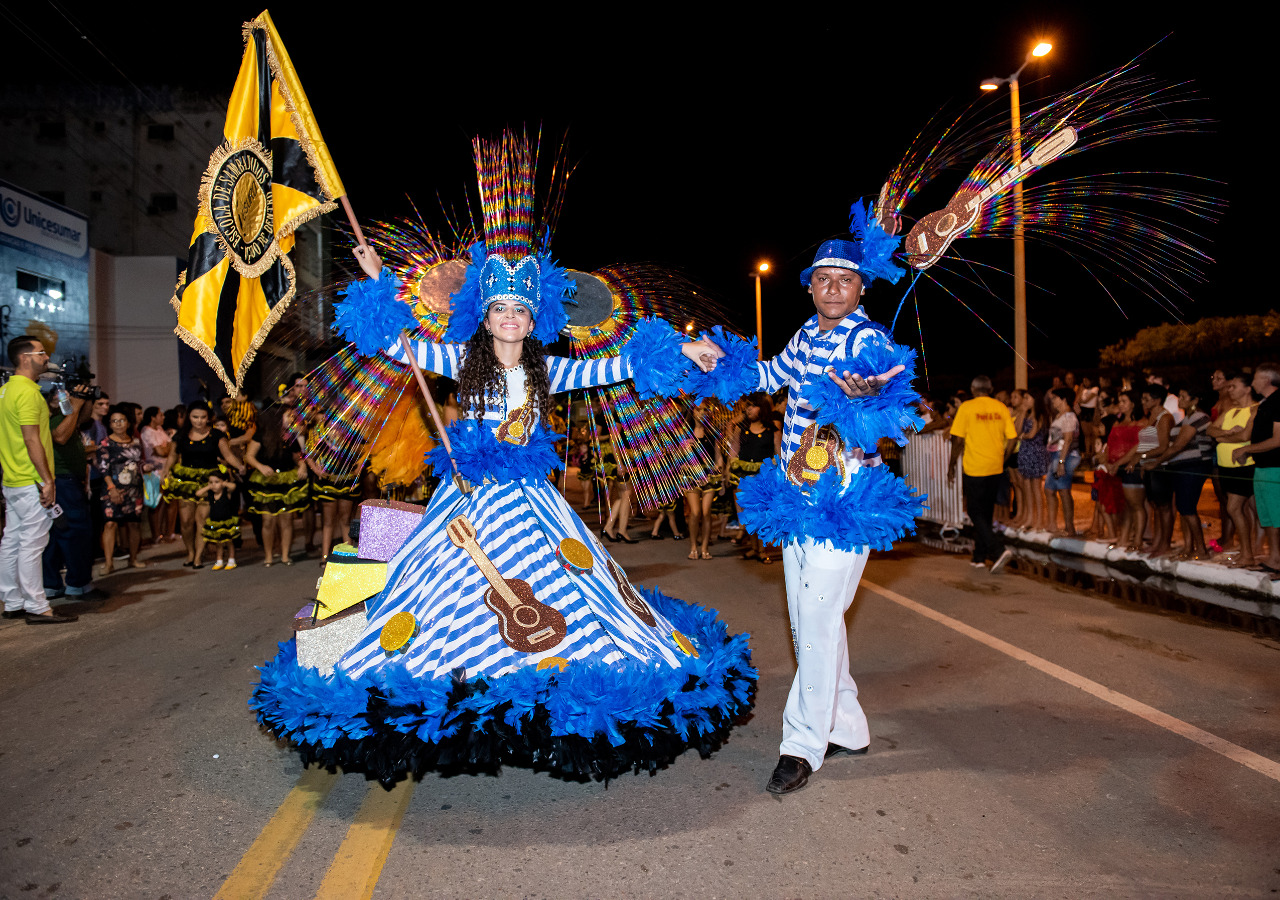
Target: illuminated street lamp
[
  {"x": 761, "y": 269},
  {"x": 1019, "y": 245}
]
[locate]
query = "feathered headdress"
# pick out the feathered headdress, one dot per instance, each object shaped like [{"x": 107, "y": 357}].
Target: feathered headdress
[{"x": 513, "y": 262}]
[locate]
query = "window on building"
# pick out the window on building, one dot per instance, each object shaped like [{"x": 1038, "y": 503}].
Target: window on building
[
  {"x": 52, "y": 131},
  {"x": 162, "y": 203},
  {"x": 160, "y": 132},
  {"x": 41, "y": 293}
]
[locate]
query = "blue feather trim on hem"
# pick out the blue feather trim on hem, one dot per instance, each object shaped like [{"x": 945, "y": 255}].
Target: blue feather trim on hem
[
  {"x": 482, "y": 457},
  {"x": 874, "y": 510},
  {"x": 734, "y": 376},
  {"x": 372, "y": 315},
  {"x": 654, "y": 711},
  {"x": 652, "y": 354},
  {"x": 862, "y": 421}
]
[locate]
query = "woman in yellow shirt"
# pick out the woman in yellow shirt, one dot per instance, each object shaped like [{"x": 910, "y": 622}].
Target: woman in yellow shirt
[{"x": 1231, "y": 430}]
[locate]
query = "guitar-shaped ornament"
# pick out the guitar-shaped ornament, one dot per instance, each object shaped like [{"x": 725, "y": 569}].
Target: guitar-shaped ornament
[
  {"x": 515, "y": 429},
  {"x": 525, "y": 623},
  {"x": 819, "y": 450},
  {"x": 630, "y": 595},
  {"x": 932, "y": 235}
]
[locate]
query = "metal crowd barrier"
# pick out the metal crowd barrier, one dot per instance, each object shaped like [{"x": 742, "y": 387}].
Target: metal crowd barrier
[{"x": 924, "y": 465}]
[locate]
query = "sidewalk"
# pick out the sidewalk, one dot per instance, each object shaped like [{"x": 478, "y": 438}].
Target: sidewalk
[{"x": 1214, "y": 573}]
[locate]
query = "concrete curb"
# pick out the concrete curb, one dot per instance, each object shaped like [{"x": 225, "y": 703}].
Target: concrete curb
[{"x": 1211, "y": 574}]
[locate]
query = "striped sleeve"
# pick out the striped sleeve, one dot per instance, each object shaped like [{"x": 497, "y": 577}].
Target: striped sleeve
[
  {"x": 443, "y": 359},
  {"x": 572, "y": 374},
  {"x": 780, "y": 371}
]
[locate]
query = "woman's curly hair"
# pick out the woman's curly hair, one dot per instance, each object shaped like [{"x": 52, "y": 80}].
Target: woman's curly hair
[{"x": 481, "y": 375}]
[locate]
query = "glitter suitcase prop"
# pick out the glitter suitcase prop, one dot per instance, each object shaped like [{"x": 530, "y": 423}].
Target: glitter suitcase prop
[
  {"x": 321, "y": 642},
  {"x": 384, "y": 527},
  {"x": 347, "y": 580}
]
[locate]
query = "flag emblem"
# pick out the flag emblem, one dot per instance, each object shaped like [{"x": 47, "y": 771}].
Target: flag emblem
[{"x": 237, "y": 204}]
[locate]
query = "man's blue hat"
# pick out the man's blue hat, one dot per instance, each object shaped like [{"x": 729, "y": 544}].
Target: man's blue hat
[{"x": 870, "y": 254}]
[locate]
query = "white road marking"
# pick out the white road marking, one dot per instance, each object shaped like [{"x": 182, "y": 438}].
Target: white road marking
[{"x": 1234, "y": 752}]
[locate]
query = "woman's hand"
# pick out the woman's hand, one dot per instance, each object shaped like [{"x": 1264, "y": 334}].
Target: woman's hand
[
  {"x": 370, "y": 262},
  {"x": 265, "y": 470},
  {"x": 114, "y": 494}
]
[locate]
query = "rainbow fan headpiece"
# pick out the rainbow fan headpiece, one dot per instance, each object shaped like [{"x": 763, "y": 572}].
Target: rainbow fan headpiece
[
  {"x": 870, "y": 254},
  {"x": 512, "y": 263}
]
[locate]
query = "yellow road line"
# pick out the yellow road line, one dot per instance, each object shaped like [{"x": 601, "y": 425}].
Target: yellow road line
[
  {"x": 257, "y": 869},
  {"x": 358, "y": 864},
  {"x": 1234, "y": 752}
]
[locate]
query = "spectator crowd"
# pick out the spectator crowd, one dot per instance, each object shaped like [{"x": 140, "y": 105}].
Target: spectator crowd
[{"x": 1148, "y": 449}]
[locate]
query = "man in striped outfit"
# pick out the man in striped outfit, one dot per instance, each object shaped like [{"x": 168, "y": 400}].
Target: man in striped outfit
[{"x": 827, "y": 502}]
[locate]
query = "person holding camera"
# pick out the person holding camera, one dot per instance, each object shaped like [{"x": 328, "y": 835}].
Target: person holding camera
[
  {"x": 26, "y": 452},
  {"x": 71, "y": 539}
]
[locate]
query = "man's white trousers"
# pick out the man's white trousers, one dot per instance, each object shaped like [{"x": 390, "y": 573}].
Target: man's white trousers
[
  {"x": 823, "y": 704},
  {"x": 26, "y": 531}
]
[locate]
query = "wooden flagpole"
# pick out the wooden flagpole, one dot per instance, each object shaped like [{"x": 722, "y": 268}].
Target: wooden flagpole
[{"x": 413, "y": 363}]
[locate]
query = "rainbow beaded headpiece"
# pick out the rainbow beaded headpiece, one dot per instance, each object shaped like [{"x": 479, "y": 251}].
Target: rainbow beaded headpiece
[{"x": 512, "y": 263}]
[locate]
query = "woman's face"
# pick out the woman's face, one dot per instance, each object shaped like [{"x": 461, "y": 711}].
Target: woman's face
[
  {"x": 1185, "y": 401},
  {"x": 1149, "y": 403},
  {"x": 1238, "y": 390},
  {"x": 509, "y": 322},
  {"x": 1125, "y": 405},
  {"x": 118, "y": 424},
  {"x": 199, "y": 419},
  {"x": 753, "y": 412},
  {"x": 100, "y": 406},
  {"x": 157, "y": 421}
]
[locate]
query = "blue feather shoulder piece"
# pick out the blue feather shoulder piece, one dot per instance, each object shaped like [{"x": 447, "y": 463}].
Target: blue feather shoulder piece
[{"x": 371, "y": 314}]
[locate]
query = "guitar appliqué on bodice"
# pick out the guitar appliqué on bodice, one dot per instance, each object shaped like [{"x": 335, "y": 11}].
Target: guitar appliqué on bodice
[{"x": 820, "y": 449}]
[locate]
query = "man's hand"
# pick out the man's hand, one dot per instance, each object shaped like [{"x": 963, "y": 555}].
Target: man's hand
[
  {"x": 369, "y": 260},
  {"x": 703, "y": 352},
  {"x": 48, "y": 494},
  {"x": 855, "y": 386},
  {"x": 1238, "y": 455}
]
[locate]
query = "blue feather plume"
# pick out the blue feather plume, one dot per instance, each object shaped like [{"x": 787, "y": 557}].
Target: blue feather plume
[
  {"x": 878, "y": 246},
  {"x": 874, "y": 510},
  {"x": 372, "y": 315},
  {"x": 734, "y": 376},
  {"x": 652, "y": 353}
]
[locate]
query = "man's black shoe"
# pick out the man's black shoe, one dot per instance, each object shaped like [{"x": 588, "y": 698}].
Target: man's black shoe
[
  {"x": 16, "y": 614},
  {"x": 51, "y": 619},
  {"x": 791, "y": 774},
  {"x": 836, "y": 750}
]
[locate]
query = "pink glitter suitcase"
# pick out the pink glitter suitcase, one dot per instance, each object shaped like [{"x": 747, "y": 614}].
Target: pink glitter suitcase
[{"x": 385, "y": 525}]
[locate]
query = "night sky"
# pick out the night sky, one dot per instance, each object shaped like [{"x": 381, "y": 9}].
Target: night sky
[{"x": 708, "y": 143}]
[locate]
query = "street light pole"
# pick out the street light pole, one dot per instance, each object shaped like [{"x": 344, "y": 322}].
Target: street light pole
[
  {"x": 1019, "y": 233},
  {"x": 1019, "y": 250},
  {"x": 760, "y": 270}
]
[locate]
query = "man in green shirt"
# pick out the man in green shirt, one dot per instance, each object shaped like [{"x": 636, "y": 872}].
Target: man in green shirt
[{"x": 26, "y": 453}]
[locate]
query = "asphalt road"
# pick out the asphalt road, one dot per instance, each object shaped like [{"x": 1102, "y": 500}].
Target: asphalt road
[{"x": 1029, "y": 740}]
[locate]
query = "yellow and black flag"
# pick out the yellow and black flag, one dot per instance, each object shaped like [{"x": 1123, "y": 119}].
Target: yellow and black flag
[{"x": 272, "y": 173}]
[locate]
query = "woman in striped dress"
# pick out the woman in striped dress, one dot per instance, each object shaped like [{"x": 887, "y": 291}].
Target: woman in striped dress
[{"x": 506, "y": 633}]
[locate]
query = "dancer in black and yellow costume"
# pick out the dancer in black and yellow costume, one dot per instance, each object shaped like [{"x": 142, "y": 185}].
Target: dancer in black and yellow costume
[
  {"x": 278, "y": 483},
  {"x": 198, "y": 450}
]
